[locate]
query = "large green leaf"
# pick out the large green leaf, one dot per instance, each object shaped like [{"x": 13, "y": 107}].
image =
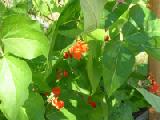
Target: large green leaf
[
  {"x": 151, "y": 98},
  {"x": 118, "y": 62},
  {"x": 15, "y": 77},
  {"x": 35, "y": 107},
  {"x": 94, "y": 69},
  {"x": 94, "y": 64},
  {"x": 23, "y": 40},
  {"x": 92, "y": 10}
]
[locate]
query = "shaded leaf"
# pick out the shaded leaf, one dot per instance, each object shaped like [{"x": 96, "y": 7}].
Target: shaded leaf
[{"x": 35, "y": 107}]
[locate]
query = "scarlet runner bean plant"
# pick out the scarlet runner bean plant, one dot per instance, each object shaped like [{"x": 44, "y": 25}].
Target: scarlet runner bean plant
[{"x": 77, "y": 59}]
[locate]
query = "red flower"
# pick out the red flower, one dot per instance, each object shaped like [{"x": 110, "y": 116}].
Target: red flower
[
  {"x": 57, "y": 103},
  {"x": 90, "y": 102},
  {"x": 153, "y": 88},
  {"x": 65, "y": 73},
  {"x": 78, "y": 49},
  {"x": 93, "y": 104},
  {"x": 66, "y": 55},
  {"x": 56, "y": 91},
  {"x": 60, "y": 104}
]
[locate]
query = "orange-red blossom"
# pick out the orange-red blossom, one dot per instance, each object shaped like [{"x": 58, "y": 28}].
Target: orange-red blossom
[
  {"x": 154, "y": 87},
  {"x": 78, "y": 49},
  {"x": 53, "y": 98}
]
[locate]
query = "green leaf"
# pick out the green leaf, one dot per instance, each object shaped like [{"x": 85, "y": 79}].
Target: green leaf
[
  {"x": 92, "y": 10},
  {"x": 22, "y": 115},
  {"x": 94, "y": 65},
  {"x": 101, "y": 110},
  {"x": 15, "y": 77},
  {"x": 97, "y": 34},
  {"x": 151, "y": 98},
  {"x": 137, "y": 42},
  {"x": 2, "y": 117},
  {"x": 2, "y": 10},
  {"x": 70, "y": 13},
  {"x": 128, "y": 29},
  {"x": 122, "y": 112},
  {"x": 35, "y": 107},
  {"x": 153, "y": 27},
  {"x": 118, "y": 62},
  {"x": 116, "y": 13},
  {"x": 57, "y": 115},
  {"x": 94, "y": 72},
  {"x": 137, "y": 14},
  {"x": 24, "y": 41},
  {"x": 153, "y": 47}
]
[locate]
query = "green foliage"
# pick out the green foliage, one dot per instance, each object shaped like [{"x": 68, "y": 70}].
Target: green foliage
[
  {"x": 15, "y": 79},
  {"x": 24, "y": 36},
  {"x": 122, "y": 112},
  {"x": 151, "y": 98},
  {"x": 92, "y": 13},
  {"x": 34, "y": 107},
  {"x": 94, "y": 64},
  {"x": 106, "y": 83},
  {"x": 116, "y": 58}
]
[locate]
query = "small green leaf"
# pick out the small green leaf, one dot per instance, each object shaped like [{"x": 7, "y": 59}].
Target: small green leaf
[
  {"x": 151, "y": 98},
  {"x": 15, "y": 77}
]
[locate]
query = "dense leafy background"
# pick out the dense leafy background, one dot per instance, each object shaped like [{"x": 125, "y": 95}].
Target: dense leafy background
[{"x": 31, "y": 55}]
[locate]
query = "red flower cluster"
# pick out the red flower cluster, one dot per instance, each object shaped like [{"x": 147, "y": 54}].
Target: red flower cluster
[
  {"x": 154, "y": 87},
  {"x": 91, "y": 103},
  {"x": 77, "y": 50},
  {"x": 53, "y": 98}
]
